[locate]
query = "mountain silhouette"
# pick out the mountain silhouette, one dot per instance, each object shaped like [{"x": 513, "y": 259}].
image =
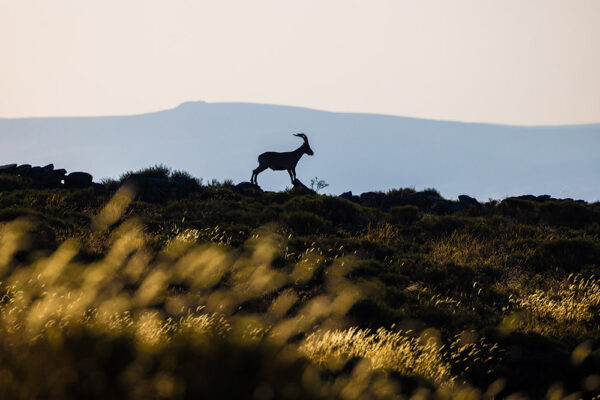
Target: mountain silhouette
[{"x": 353, "y": 151}]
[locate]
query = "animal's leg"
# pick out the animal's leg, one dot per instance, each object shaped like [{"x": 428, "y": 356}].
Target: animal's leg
[
  {"x": 294, "y": 172},
  {"x": 256, "y": 172},
  {"x": 291, "y": 175}
]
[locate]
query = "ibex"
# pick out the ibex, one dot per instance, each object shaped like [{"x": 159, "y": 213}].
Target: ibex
[{"x": 281, "y": 161}]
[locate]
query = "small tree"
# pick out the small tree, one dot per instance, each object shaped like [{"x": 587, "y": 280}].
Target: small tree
[{"x": 316, "y": 184}]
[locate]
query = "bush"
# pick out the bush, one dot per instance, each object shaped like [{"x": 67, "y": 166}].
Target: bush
[
  {"x": 568, "y": 254},
  {"x": 244, "y": 217},
  {"x": 433, "y": 192},
  {"x": 367, "y": 313},
  {"x": 567, "y": 213},
  {"x": 335, "y": 209},
  {"x": 400, "y": 193},
  {"x": 305, "y": 223},
  {"x": 158, "y": 171},
  {"x": 12, "y": 182},
  {"x": 442, "y": 225},
  {"x": 404, "y": 215},
  {"x": 522, "y": 210},
  {"x": 111, "y": 184},
  {"x": 10, "y": 214},
  {"x": 367, "y": 269}
]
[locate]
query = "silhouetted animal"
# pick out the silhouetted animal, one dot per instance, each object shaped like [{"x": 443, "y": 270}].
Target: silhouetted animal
[{"x": 281, "y": 161}]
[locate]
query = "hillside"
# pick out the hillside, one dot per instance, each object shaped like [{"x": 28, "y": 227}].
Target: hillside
[
  {"x": 357, "y": 152},
  {"x": 158, "y": 286}
]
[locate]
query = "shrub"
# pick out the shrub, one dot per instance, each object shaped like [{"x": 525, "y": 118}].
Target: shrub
[
  {"x": 12, "y": 182},
  {"x": 244, "y": 217},
  {"x": 10, "y": 214},
  {"x": 335, "y": 209},
  {"x": 567, "y": 213},
  {"x": 111, "y": 184},
  {"x": 442, "y": 225},
  {"x": 214, "y": 183},
  {"x": 568, "y": 254},
  {"x": 159, "y": 171},
  {"x": 177, "y": 174},
  {"x": 304, "y": 223},
  {"x": 433, "y": 192},
  {"x": 316, "y": 184},
  {"x": 366, "y": 269},
  {"x": 80, "y": 198},
  {"x": 400, "y": 193},
  {"x": 404, "y": 215},
  {"x": 522, "y": 210}
]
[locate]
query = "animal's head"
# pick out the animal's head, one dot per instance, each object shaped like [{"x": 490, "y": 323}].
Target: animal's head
[{"x": 305, "y": 146}]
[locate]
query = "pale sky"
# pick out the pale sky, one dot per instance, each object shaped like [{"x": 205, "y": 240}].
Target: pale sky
[{"x": 532, "y": 62}]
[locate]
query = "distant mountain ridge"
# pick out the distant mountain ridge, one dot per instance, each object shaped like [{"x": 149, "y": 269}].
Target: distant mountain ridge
[{"x": 353, "y": 151}]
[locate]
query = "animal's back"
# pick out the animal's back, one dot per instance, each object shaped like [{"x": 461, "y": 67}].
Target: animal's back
[{"x": 265, "y": 156}]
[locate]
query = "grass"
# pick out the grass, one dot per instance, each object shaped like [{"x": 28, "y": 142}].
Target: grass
[{"x": 293, "y": 295}]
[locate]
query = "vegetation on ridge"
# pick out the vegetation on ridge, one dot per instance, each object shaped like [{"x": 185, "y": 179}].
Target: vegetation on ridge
[{"x": 226, "y": 293}]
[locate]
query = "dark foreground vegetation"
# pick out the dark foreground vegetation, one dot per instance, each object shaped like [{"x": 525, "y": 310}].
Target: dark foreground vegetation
[{"x": 157, "y": 286}]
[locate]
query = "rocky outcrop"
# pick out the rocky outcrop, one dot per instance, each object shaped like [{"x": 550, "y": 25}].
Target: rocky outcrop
[
  {"x": 46, "y": 177},
  {"x": 468, "y": 201},
  {"x": 349, "y": 196},
  {"x": 245, "y": 186},
  {"x": 8, "y": 169},
  {"x": 300, "y": 188},
  {"x": 426, "y": 201},
  {"x": 24, "y": 169},
  {"x": 299, "y": 185},
  {"x": 78, "y": 180}
]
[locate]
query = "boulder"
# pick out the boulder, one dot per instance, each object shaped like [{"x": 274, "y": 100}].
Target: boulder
[
  {"x": 468, "y": 201},
  {"x": 350, "y": 196},
  {"x": 298, "y": 184},
  {"x": 48, "y": 168},
  {"x": 373, "y": 196},
  {"x": 24, "y": 169},
  {"x": 300, "y": 188},
  {"x": 59, "y": 173},
  {"x": 36, "y": 172},
  {"x": 48, "y": 181},
  {"x": 243, "y": 186},
  {"x": 441, "y": 207},
  {"x": 78, "y": 180},
  {"x": 423, "y": 200},
  {"x": 374, "y": 199},
  {"x": 540, "y": 199},
  {"x": 8, "y": 169}
]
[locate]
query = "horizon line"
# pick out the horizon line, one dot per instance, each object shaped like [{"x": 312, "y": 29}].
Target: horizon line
[{"x": 590, "y": 124}]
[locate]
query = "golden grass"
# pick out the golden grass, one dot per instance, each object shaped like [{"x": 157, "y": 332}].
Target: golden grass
[
  {"x": 382, "y": 233},
  {"x": 399, "y": 351},
  {"x": 464, "y": 249},
  {"x": 403, "y": 351},
  {"x": 133, "y": 291},
  {"x": 568, "y": 306}
]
